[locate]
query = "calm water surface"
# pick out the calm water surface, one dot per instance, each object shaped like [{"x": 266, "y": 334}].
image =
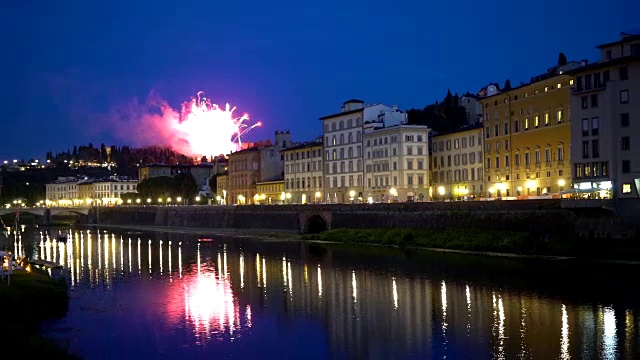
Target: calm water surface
[{"x": 171, "y": 296}]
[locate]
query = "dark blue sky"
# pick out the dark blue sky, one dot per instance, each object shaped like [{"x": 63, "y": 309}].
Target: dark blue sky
[{"x": 64, "y": 64}]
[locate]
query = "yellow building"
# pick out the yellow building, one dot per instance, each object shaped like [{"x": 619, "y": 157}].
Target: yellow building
[
  {"x": 527, "y": 136},
  {"x": 457, "y": 165},
  {"x": 244, "y": 174},
  {"x": 85, "y": 190},
  {"x": 270, "y": 192}
]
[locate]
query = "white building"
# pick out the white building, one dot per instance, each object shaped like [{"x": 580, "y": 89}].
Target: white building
[
  {"x": 343, "y": 156},
  {"x": 605, "y": 133},
  {"x": 110, "y": 191},
  {"x": 396, "y": 162},
  {"x": 65, "y": 188},
  {"x": 303, "y": 173}
]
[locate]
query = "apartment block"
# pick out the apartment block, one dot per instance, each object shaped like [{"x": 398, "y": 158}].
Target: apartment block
[
  {"x": 527, "y": 137},
  {"x": 605, "y": 122},
  {"x": 457, "y": 170},
  {"x": 303, "y": 172}
]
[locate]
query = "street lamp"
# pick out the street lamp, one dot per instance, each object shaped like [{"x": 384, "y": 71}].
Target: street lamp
[
  {"x": 197, "y": 198},
  {"x": 137, "y": 201},
  {"x": 218, "y": 199},
  {"x": 289, "y": 197},
  {"x": 149, "y": 201},
  {"x": 318, "y": 195},
  {"x": 179, "y": 199},
  {"x": 352, "y": 194}
]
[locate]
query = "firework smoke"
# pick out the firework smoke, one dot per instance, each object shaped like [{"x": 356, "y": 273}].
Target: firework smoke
[{"x": 199, "y": 128}]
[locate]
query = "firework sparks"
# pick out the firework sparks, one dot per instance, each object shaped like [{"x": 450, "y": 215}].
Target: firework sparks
[
  {"x": 210, "y": 129},
  {"x": 199, "y": 128}
]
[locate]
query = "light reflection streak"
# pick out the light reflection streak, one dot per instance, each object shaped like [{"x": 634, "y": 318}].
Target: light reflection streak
[
  {"x": 149, "y": 257},
  {"x": 443, "y": 294},
  {"x": 523, "y": 329},
  {"x": 395, "y": 293},
  {"x": 284, "y": 273},
  {"x": 290, "y": 279},
  {"x": 306, "y": 275},
  {"x": 264, "y": 274},
  {"x": 129, "y": 258},
  {"x": 113, "y": 253},
  {"x": 241, "y": 270},
  {"x": 121, "y": 255},
  {"x": 99, "y": 252},
  {"x": 354, "y": 285},
  {"x": 564, "y": 340},
  {"x": 501, "y": 337},
  {"x": 180, "y": 259},
  {"x": 319, "y": 281},
  {"x": 220, "y": 270},
  {"x": 139, "y": 261},
  {"x": 160, "y": 250},
  {"x": 468, "y": 295},
  {"x": 258, "y": 272},
  {"x": 170, "y": 267},
  {"x": 609, "y": 337},
  {"x": 225, "y": 260}
]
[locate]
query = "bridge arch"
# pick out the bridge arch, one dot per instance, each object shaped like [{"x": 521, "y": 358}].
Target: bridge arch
[{"x": 315, "y": 224}]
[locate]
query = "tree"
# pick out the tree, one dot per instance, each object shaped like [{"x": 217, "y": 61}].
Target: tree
[
  {"x": 562, "y": 59},
  {"x": 507, "y": 85},
  {"x": 185, "y": 185},
  {"x": 213, "y": 184},
  {"x": 204, "y": 159}
]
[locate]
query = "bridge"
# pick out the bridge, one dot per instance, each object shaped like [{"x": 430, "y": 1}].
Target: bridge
[{"x": 47, "y": 213}]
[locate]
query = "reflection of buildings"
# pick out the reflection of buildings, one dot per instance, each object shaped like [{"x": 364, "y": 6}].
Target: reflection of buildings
[{"x": 367, "y": 312}]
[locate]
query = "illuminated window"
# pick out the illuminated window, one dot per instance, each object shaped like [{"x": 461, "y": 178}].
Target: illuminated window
[
  {"x": 559, "y": 86},
  {"x": 536, "y": 121},
  {"x": 526, "y": 124},
  {"x": 546, "y": 88},
  {"x": 626, "y": 188},
  {"x": 559, "y": 116},
  {"x": 546, "y": 119},
  {"x": 571, "y": 82}
]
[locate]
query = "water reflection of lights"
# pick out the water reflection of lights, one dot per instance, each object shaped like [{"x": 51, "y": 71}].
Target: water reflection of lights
[
  {"x": 564, "y": 340},
  {"x": 443, "y": 293},
  {"x": 319, "y": 281},
  {"x": 354, "y": 285},
  {"x": 609, "y": 337},
  {"x": 468, "y": 295},
  {"x": 241, "y": 270},
  {"x": 210, "y": 305},
  {"x": 395, "y": 293}
]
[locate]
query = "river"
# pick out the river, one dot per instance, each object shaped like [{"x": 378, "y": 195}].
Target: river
[{"x": 171, "y": 296}]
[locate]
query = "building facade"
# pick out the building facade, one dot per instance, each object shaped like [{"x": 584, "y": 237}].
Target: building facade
[
  {"x": 244, "y": 174},
  {"x": 270, "y": 193},
  {"x": 396, "y": 162},
  {"x": 343, "y": 156},
  {"x": 109, "y": 191},
  {"x": 71, "y": 191},
  {"x": 457, "y": 168},
  {"x": 303, "y": 172},
  {"x": 604, "y": 123},
  {"x": 222, "y": 187},
  {"x": 271, "y": 160},
  {"x": 65, "y": 188},
  {"x": 527, "y": 137}
]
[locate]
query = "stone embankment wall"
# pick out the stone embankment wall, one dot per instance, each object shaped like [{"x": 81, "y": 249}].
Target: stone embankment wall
[{"x": 540, "y": 217}]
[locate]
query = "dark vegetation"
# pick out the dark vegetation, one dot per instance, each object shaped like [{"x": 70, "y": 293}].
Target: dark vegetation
[
  {"x": 30, "y": 299},
  {"x": 445, "y": 116},
  {"x": 183, "y": 185},
  {"x": 500, "y": 241}
]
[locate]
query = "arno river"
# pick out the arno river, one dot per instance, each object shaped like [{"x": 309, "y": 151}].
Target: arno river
[{"x": 171, "y": 296}]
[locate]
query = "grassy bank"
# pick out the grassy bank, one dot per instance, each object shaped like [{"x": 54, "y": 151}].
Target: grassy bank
[
  {"x": 509, "y": 242},
  {"x": 31, "y": 298}
]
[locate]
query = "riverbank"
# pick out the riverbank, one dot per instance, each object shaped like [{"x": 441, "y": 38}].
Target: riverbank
[
  {"x": 487, "y": 242},
  {"x": 31, "y": 298}
]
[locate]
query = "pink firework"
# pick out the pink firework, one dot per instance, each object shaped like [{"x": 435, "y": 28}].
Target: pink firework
[{"x": 209, "y": 129}]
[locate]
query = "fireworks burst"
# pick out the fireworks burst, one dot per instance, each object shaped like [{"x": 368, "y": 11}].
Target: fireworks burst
[
  {"x": 209, "y": 129},
  {"x": 199, "y": 128}
]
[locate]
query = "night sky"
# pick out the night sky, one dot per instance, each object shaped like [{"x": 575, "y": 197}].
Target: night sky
[{"x": 64, "y": 65}]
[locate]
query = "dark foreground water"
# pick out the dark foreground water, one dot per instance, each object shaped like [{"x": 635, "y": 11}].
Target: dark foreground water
[{"x": 169, "y": 296}]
